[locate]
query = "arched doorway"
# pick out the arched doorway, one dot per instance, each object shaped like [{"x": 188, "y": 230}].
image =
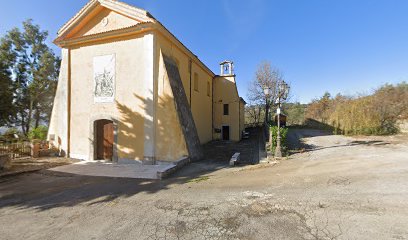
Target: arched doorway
[{"x": 104, "y": 139}]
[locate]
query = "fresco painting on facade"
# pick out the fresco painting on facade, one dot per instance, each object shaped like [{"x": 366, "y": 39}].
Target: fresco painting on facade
[
  {"x": 113, "y": 69},
  {"x": 104, "y": 77}
]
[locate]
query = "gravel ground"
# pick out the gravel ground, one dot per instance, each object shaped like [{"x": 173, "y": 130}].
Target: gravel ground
[{"x": 337, "y": 188}]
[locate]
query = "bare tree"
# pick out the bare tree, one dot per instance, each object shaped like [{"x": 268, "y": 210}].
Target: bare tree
[
  {"x": 253, "y": 114},
  {"x": 266, "y": 76}
]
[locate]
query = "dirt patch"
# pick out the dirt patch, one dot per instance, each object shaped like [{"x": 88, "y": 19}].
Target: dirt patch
[{"x": 23, "y": 165}]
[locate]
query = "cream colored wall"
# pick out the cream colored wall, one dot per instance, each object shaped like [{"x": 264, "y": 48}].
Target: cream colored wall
[
  {"x": 131, "y": 97},
  {"x": 225, "y": 92},
  {"x": 115, "y": 21},
  {"x": 59, "y": 116},
  {"x": 200, "y": 103}
]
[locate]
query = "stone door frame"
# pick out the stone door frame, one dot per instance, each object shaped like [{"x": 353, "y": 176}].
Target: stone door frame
[{"x": 93, "y": 141}]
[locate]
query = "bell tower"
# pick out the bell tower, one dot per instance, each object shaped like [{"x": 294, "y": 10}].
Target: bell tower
[{"x": 227, "y": 68}]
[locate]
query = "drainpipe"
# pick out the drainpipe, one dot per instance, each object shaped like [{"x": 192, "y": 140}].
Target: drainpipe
[{"x": 68, "y": 154}]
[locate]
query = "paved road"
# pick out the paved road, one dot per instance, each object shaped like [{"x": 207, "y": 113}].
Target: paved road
[{"x": 339, "y": 188}]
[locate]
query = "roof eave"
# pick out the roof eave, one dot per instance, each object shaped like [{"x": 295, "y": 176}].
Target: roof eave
[
  {"x": 113, "y": 34},
  {"x": 122, "y": 8}
]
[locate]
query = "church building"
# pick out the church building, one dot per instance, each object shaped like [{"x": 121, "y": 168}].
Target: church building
[{"x": 129, "y": 90}]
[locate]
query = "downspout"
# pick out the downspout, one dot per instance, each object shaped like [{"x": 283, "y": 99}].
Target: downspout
[{"x": 69, "y": 106}]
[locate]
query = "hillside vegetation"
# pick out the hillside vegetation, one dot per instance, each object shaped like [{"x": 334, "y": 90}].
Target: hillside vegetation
[{"x": 376, "y": 114}]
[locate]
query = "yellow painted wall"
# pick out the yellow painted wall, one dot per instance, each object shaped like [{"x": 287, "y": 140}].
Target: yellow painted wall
[
  {"x": 200, "y": 102},
  {"x": 130, "y": 96},
  {"x": 225, "y": 92},
  {"x": 170, "y": 142}
]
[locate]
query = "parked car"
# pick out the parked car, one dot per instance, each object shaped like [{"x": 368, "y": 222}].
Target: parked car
[{"x": 245, "y": 134}]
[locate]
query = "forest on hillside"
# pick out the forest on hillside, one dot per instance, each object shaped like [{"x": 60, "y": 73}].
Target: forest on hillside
[
  {"x": 377, "y": 113},
  {"x": 374, "y": 114}
]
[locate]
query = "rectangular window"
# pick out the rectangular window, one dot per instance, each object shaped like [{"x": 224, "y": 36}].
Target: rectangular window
[
  {"x": 195, "y": 82},
  {"x": 208, "y": 89},
  {"x": 226, "y": 109}
]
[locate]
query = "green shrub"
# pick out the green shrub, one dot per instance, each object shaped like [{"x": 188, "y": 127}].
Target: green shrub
[
  {"x": 283, "y": 133},
  {"x": 39, "y": 133}
]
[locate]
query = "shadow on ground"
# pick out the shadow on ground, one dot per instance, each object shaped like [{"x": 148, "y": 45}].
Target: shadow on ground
[
  {"x": 45, "y": 189},
  {"x": 221, "y": 151}
]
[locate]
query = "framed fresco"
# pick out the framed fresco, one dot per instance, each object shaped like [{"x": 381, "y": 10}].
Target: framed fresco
[{"x": 104, "y": 78}]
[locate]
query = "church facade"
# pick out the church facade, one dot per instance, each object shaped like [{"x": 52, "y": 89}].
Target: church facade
[{"x": 129, "y": 90}]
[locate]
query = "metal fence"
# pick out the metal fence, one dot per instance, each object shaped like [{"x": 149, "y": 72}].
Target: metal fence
[{"x": 16, "y": 150}]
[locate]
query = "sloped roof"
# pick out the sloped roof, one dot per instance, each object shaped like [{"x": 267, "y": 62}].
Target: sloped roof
[
  {"x": 138, "y": 14},
  {"x": 144, "y": 18}
]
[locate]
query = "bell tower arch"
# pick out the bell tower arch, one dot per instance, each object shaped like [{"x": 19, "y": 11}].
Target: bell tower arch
[{"x": 227, "y": 68}]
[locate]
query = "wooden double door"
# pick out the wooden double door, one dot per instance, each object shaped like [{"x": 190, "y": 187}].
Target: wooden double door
[{"x": 104, "y": 140}]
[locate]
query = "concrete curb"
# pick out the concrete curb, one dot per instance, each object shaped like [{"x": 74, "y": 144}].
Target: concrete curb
[{"x": 173, "y": 168}]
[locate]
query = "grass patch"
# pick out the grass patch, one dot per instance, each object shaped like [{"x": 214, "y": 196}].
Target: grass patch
[{"x": 200, "y": 179}]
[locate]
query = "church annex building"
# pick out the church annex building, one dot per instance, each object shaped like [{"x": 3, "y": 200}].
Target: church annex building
[{"x": 129, "y": 90}]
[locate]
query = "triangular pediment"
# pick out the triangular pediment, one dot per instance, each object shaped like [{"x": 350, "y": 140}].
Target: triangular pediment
[{"x": 100, "y": 16}]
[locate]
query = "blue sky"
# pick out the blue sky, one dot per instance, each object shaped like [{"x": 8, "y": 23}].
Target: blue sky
[{"x": 342, "y": 46}]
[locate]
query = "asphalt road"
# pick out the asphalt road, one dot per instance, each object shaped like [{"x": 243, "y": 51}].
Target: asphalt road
[{"x": 337, "y": 188}]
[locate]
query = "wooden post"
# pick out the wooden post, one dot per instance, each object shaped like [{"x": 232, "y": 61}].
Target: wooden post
[{"x": 35, "y": 150}]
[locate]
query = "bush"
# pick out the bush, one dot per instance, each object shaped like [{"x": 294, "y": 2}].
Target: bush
[
  {"x": 283, "y": 133},
  {"x": 39, "y": 133},
  {"x": 374, "y": 114},
  {"x": 11, "y": 134}
]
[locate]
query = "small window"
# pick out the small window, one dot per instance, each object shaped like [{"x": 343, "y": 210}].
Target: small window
[
  {"x": 195, "y": 82},
  {"x": 226, "y": 109},
  {"x": 208, "y": 89}
]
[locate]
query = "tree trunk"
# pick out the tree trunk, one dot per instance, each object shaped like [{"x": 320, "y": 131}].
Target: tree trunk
[
  {"x": 23, "y": 126},
  {"x": 30, "y": 112},
  {"x": 37, "y": 117},
  {"x": 266, "y": 124}
]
